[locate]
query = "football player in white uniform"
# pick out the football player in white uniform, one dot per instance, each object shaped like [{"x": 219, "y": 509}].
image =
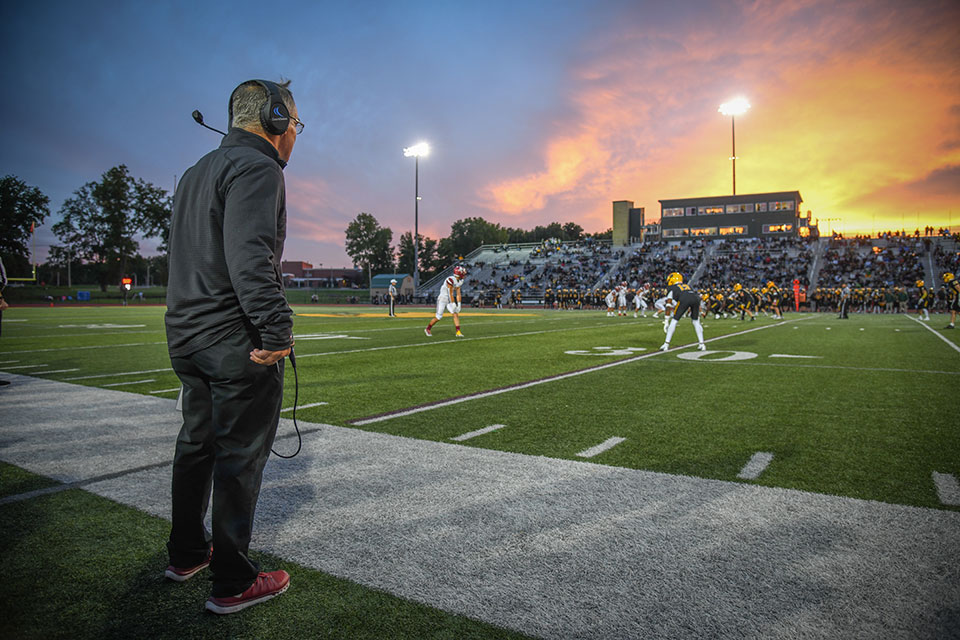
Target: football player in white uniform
[
  {"x": 640, "y": 301},
  {"x": 622, "y": 299},
  {"x": 611, "y": 302},
  {"x": 449, "y": 291}
]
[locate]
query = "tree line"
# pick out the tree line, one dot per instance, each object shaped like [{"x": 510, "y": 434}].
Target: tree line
[
  {"x": 370, "y": 247},
  {"x": 100, "y": 225},
  {"x": 98, "y": 229}
]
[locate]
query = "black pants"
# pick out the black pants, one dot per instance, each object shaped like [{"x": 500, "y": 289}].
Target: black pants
[{"x": 231, "y": 409}]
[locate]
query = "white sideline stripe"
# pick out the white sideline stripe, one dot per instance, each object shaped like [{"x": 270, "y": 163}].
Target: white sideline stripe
[
  {"x": 758, "y": 462},
  {"x": 478, "y": 432},
  {"x": 98, "y": 346},
  {"x": 609, "y": 443},
  {"x": 787, "y": 355},
  {"x": 562, "y": 376},
  {"x": 25, "y": 366},
  {"x": 114, "y": 375},
  {"x": 17, "y": 320},
  {"x": 936, "y": 333},
  {"x": 9, "y": 362},
  {"x": 166, "y": 390},
  {"x": 948, "y": 489},
  {"x": 432, "y": 342},
  {"x": 304, "y": 406},
  {"x": 120, "y": 384},
  {"x": 43, "y": 373}
]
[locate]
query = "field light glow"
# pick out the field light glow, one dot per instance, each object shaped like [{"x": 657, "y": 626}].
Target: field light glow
[
  {"x": 420, "y": 150},
  {"x": 735, "y": 107}
]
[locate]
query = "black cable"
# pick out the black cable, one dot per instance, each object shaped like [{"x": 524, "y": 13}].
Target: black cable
[{"x": 296, "y": 397}]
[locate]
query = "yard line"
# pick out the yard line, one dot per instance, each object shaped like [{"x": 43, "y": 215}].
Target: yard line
[
  {"x": 562, "y": 376},
  {"x": 478, "y": 432},
  {"x": 787, "y": 355},
  {"x": 120, "y": 384},
  {"x": 461, "y": 340},
  {"x": 98, "y": 346},
  {"x": 948, "y": 490},
  {"x": 9, "y": 362},
  {"x": 609, "y": 443},
  {"x": 166, "y": 390},
  {"x": 25, "y": 366},
  {"x": 936, "y": 333},
  {"x": 43, "y": 373},
  {"x": 758, "y": 462},
  {"x": 114, "y": 375},
  {"x": 304, "y": 406},
  {"x": 16, "y": 320}
]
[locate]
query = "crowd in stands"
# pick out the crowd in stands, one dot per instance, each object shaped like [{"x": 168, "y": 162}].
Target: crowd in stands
[
  {"x": 760, "y": 260},
  {"x": 872, "y": 265},
  {"x": 882, "y": 271}
]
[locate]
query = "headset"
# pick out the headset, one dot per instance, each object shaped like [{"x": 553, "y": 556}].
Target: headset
[{"x": 274, "y": 117}]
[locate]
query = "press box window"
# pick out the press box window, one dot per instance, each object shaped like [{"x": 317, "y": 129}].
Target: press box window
[
  {"x": 733, "y": 231},
  {"x": 704, "y": 231},
  {"x": 777, "y": 228},
  {"x": 709, "y": 211},
  {"x": 740, "y": 208},
  {"x": 674, "y": 233},
  {"x": 674, "y": 212}
]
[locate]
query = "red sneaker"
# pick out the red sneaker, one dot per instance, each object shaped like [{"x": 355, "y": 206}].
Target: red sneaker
[
  {"x": 180, "y": 574},
  {"x": 266, "y": 586}
]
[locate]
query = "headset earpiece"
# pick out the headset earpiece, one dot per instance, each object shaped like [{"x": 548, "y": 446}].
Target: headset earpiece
[{"x": 274, "y": 117}]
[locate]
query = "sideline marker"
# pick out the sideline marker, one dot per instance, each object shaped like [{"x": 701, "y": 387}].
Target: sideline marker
[
  {"x": 478, "y": 432},
  {"x": 758, "y": 462}
]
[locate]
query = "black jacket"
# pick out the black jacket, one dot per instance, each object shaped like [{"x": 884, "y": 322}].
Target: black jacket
[{"x": 226, "y": 242}]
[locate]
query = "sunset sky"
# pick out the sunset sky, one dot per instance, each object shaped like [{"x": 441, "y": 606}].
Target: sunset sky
[{"x": 536, "y": 111}]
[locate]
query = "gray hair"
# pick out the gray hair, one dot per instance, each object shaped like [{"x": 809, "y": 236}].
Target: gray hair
[{"x": 248, "y": 100}]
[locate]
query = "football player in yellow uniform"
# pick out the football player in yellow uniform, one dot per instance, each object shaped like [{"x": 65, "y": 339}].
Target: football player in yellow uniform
[
  {"x": 923, "y": 303},
  {"x": 685, "y": 299},
  {"x": 953, "y": 298}
]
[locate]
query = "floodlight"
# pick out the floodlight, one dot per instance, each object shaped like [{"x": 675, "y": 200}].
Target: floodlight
[
  {"x": 735, "y": 107},
  {"x": 419, "y": 150}
]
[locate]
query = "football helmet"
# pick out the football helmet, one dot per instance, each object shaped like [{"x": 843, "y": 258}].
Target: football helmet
[
  {"x": 460, "y": 272},
  {"x": 920, "y": 283},
  {"x": 770, "y": 284},
  {"x": 948, "y": 277},
  {"x": 674, "y": 278},
  {"x": 705, "y": 297},
  {"x": 737, "y": 287}
]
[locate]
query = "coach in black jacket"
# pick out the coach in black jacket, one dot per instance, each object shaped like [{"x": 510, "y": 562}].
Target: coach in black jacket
[{"x": 228, "y": 329}]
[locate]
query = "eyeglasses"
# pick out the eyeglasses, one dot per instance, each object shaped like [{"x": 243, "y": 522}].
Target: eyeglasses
[{"x": 297, "y": 124}]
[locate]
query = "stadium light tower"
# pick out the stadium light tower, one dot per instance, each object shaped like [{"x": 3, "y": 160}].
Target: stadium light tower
[
  {"x": 417, "y": 150},
  {"x": 734, "y": 108}
]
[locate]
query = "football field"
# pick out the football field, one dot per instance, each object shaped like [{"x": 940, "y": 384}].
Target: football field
[
  {"x": 551, "y": 474},
  {"x": 864, "y": 407}
]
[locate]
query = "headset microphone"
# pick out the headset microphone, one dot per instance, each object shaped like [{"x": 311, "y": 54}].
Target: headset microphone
[{"x": 199, "y": 118}]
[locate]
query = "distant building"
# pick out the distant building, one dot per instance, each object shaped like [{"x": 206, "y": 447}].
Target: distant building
[
  {"x": 380, "y": 284},
  {"x": 628, "y": 223},
  {"x": 304, "y": 275},
  {"x": 755, "y": 215}
]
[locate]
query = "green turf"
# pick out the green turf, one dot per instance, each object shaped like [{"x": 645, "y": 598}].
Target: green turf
[
  {"x": 80, "y": 566},
  {"x": 872, "y": 416},
  {"x": 14, "y": 481}
]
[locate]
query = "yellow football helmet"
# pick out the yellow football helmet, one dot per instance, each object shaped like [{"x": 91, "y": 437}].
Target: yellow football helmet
[
  {"x": 674, "y": 278},
  {"x": 737, "y": 287},
  {"x": 770, "y": 284},
  {"x": 719, "y": 296},
  {"x": 920, "y": 283},
  {"x": 948, "y": 277},
  {"x": 705, "y": 297}
]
